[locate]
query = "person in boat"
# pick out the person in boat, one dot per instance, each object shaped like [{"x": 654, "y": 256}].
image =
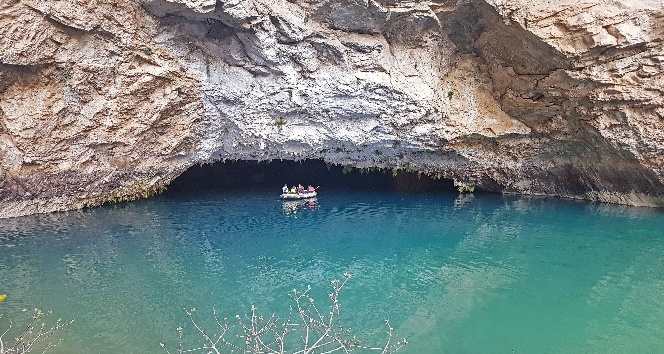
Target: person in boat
[
  {"x": 293, "y": 190},
  {"x": 284, "y": 189},
  {"x": 311, "y": 189},
  {"x": 300, "y": 188}
]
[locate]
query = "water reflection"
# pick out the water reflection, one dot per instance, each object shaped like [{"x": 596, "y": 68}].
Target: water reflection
[
  {"x": 463, "y": 199},
  {"x": 470, "y": 278},
  {"x": 453, "y": 273},
  {"x": 292, "y": 207}
]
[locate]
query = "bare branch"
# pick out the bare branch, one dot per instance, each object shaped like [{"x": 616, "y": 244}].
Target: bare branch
[
  {"x": 33, "y": 334},
  {"x": 315, "y": 331}
]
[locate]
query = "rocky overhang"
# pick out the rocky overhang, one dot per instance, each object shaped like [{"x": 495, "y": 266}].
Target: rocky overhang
[{"x": 109, "y": 100}]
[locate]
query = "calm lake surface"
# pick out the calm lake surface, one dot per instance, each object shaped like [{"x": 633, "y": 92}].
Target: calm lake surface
[{"x": 488, "y": 274}]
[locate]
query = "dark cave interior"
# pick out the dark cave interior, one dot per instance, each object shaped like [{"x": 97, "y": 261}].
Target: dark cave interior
[{"x": 248, "y": 175}]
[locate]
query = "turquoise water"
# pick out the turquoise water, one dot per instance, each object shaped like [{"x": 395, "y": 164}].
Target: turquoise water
[{"x": 491, "y": 274}]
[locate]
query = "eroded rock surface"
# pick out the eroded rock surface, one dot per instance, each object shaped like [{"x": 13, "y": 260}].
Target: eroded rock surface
[{"x": 109, "y": 100}]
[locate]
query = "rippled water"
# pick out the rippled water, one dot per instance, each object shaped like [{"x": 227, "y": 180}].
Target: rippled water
[{"x": 485, "y": 275}]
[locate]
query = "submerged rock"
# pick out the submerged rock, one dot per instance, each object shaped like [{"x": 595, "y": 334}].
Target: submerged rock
[{"x": 109, "y": 100}]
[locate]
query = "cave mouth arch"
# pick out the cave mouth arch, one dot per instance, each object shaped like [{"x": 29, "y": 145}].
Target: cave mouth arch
[{"x": 241, "y": 175}]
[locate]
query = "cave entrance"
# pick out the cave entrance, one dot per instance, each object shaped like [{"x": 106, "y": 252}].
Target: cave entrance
[{"x": 251, "y": 175}]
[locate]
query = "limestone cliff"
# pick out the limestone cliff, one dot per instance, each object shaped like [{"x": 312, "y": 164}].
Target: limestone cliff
[{"x": 106, "y": 100}]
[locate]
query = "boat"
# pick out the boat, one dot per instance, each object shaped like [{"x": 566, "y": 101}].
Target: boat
[{"x": 304, "y": 195}]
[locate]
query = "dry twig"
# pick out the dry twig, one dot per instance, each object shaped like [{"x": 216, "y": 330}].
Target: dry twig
[
  {"x": 305, "y": 330},
  {"x": 29, "y": 339}
]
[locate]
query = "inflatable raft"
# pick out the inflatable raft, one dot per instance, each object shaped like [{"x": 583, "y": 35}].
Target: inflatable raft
[{"x": 304, "y": 195}]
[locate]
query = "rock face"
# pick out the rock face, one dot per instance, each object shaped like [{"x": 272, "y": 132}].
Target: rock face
[{"x": 108, "y": 100}]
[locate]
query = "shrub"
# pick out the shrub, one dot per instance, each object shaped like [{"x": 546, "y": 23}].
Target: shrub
[
  {"x": 64, "y": 74},
  {"x": 33, "y": 337},
  {"x": 463, "y": 187},
  {"x": 306, "y": 329},
  {"x": 146, "y": 50}
]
